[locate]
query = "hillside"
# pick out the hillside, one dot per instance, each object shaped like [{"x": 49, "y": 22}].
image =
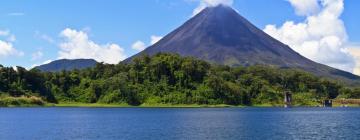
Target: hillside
[
  {"x": 66, "y": 64},
  {"x": 220, "y": 35}
]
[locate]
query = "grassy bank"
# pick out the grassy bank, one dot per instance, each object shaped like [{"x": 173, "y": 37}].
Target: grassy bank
[
  {"x": 143, "y": 105},
  {"x": 181, "y": 105},
  {"x": 86, "y": 105},
  {"x": 347, "y": 105},
  {"x": 38, "y": 102},
  {"x": 22, "y": 101}
]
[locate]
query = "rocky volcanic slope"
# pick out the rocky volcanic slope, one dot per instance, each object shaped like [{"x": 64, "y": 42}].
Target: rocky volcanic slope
[{"x": 220, "y": 35}]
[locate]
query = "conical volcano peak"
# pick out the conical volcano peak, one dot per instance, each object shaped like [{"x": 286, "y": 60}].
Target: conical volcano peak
[
  {"x": 219, "y": 10},
  {"x": 223, "y": 17},
  {"x": 220, "y": 35},
  {"x": 222, "y": 25}
]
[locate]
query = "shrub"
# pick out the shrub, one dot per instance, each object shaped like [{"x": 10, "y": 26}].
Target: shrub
[{"x": 21, "y": 101}]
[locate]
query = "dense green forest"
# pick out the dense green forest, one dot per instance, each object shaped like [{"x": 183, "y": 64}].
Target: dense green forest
[{"x": 167, "y": 79}]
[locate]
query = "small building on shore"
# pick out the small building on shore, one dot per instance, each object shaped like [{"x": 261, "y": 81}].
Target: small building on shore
[
  {"x": 327, "y": 103},
  {"x": 287, "y": 99}
]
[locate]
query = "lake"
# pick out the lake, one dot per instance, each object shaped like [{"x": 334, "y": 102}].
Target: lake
[{"x": 178, "y": 123}]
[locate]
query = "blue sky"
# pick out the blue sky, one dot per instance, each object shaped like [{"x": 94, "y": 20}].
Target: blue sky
[{"x": 36, "y": 29}]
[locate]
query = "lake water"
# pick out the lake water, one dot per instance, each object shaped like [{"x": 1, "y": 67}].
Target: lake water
[{"x": 178, "y": 123}]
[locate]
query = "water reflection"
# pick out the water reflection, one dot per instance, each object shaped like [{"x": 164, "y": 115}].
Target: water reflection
[{"x": 201, "y": 123}]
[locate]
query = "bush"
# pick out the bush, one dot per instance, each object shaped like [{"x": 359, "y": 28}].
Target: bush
[
  {"x": 304, "y": 99},
  {"x": 153, "y": 100},
  {"x": 112, "y": 97},
  {"x": 21, "y": 101}
]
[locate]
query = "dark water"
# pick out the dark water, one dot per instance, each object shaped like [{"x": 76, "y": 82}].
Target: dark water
[{"x": 154, "y": 123}]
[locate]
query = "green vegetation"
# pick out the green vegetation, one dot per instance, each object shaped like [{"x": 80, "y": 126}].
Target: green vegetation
[
  {"x": 142, "y": 105},
  {"x": 21, "y": 101},
  {"x": 166, "y": 80}
]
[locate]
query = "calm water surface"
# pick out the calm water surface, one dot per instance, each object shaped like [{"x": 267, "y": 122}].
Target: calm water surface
[{"x": 178, "y": 123}]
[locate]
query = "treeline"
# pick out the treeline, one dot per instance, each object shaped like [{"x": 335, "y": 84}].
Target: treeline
[{"x": 170, "y": 79}]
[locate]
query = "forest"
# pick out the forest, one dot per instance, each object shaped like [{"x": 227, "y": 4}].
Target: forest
[{"x": 167, "y": 79}]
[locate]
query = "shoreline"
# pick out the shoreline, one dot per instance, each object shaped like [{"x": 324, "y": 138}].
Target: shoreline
[{"x": 98, "y": 105}]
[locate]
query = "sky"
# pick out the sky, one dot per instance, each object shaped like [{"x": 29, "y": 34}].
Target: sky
[{"x": 37, "y": 32}]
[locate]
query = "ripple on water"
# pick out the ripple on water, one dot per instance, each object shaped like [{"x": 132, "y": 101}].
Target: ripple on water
[{"x": 179, "y": 123}]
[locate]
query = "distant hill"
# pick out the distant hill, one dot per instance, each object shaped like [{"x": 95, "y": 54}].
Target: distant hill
[
  {"x": 220, "y": 35},
  {"x": 66, "y": 64}
]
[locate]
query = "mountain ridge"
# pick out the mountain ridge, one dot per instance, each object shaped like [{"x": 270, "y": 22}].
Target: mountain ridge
[
  {"x": 221, "y": 35},
  {"x": 67, "y": 64}
]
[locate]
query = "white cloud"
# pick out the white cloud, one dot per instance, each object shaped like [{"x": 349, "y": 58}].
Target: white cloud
[
  {"x": 155, "y": 39},
  {"x": 44, "y": 37},
  {"x": 138, "y": 45},
  {"x": 7, "y": 34},
  {"x": 86, "y": 29},
  {"x": 47, "y": 62},
  {"x": 7, "y": 49},
  {"x": 211, "y": 3},
  {"x": 321, "y": 37},
  {"x": 16, "y": 14},
  {"x": 37, "y": 55},
  {"x": 354, "y": 49},
  {"x": 47, "y": 38},
  {"x": 305, "y": 7},
  {"x": 4, "y": 32},
  {"x": 78, "y": 45},
  {"x": 35, "y": 65},
  {"x": 11, "y": 38}
]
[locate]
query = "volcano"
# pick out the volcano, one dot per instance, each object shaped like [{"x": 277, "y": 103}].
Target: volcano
[{"x": 220, "y": 35}]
